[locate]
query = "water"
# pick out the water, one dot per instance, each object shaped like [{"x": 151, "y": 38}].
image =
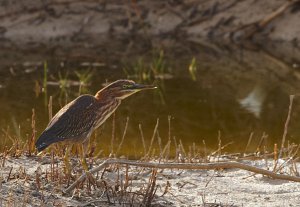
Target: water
[{"x": 227, "y": 96}]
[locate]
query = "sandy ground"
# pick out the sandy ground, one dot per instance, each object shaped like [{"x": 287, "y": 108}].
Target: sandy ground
[
  {"x": 19, "y": 187},
  {"x": 233, "y": 188}
]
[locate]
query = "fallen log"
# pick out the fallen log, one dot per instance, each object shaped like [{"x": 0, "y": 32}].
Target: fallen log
[{"x": 185, "y": 166}]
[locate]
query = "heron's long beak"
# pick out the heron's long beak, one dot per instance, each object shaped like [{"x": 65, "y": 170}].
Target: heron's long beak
[{"x": 142, "y": 87}]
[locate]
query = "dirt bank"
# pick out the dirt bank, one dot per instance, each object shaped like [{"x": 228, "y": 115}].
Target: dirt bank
[{"x": 143, "y": 24}]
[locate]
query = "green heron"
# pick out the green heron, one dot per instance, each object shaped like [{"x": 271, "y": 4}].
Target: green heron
[{"x": 76, "y": 121}]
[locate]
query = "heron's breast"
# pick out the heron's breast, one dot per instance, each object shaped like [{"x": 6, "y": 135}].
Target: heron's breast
[{"x": 105, "y": 112}]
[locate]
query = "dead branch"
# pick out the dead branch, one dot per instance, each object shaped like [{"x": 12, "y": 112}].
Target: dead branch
[
  {"x": 185, "y": 166},
  {"x": 247, "y": 31}
]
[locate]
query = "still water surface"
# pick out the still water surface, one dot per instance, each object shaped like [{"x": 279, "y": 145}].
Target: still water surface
[{"x": 223, "y": 97}]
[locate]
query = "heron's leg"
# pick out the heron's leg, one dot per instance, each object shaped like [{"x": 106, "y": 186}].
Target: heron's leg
[
  {"x": 84, "y": 149},
  {"x": 67, "y": 160}
]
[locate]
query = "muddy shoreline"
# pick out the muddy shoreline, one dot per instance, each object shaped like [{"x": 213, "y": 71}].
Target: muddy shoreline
[{"x": 109, "y": 28}]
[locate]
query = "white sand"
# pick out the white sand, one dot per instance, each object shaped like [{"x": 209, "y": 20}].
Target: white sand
[
  {"x": 187, "y": 187},
  {"x": 232, "y": 188}
]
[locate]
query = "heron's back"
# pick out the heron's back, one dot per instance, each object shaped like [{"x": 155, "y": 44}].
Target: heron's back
[{"x": 74, "y": 122}]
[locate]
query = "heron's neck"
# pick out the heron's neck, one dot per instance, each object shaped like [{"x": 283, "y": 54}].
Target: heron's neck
[
  {"x": 103, "y": 95},
  {"x": 108, "y": 106}
]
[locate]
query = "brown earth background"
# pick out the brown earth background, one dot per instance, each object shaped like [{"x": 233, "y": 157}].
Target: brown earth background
[{"x": 67, "y": 27}]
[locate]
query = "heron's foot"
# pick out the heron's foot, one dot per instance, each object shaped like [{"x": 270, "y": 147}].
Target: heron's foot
[
  {"x": 84, "y": 164},
  {"x": 90, "y": 178}
]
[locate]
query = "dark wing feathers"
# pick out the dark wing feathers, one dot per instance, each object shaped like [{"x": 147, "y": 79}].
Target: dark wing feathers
[{"x": 74, "y": 120}]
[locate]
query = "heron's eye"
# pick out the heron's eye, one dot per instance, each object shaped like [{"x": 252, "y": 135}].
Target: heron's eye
[{"x": 126, "y": 86}]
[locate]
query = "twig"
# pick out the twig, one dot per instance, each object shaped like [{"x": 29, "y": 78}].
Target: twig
[
  {"x": 219, "y": 144},
  {"x": 113, "y": 134},
  {"x": 152, "y": 139},
  {"x": 286, "y": 125},
  {"x": 50, "y": 108},
  {"x": 123, "y": 137},
  {"x": 159, "y": 144},
  {"x": 186, "y": 166},
  {"x": 220, "y": 148},
  {"x": 32, "y": 139},
  {"x": 143, "y": 139},
  {"x": 205, "y": 153},
  {"x": 8, "y": 177},
  {"x": 169, "y": 127},
  {"x": 285, "y": 131},
  {"x": 248, "y": 143}
]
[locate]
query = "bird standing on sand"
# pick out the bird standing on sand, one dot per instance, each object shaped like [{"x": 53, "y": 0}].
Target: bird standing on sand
[{"x": 76, "y": 121}]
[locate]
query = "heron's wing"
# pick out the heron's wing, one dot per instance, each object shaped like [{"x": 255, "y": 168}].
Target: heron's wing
[{"x": 74, "y": 120}]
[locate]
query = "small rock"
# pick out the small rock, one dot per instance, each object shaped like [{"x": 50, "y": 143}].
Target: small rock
[{"x": 36, "y": 194}]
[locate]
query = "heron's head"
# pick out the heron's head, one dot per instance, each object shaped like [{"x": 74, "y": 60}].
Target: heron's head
[{"x": 121, "y": 89}]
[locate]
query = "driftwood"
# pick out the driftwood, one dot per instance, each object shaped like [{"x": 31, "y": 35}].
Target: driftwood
[
  {"x": 247, "y": 31},
  {"x": 186, "y": 166}
]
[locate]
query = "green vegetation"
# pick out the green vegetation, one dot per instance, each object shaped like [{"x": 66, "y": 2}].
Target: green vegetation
[
  {"x": 84, "y": 77},
  {"x": 143, "y": 71},
  {"x": 193, "y": 69},
  {"x": 159, "y": 65}
]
